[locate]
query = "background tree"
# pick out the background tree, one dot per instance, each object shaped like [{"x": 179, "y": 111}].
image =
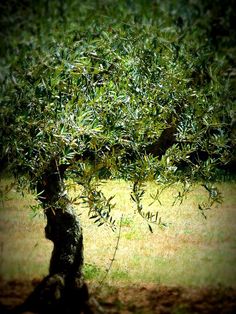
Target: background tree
[{"x": 135, "y": 90}]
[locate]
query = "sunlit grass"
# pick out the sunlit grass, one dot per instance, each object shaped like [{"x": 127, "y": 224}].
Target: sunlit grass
[{"x": 191, "y": 250}]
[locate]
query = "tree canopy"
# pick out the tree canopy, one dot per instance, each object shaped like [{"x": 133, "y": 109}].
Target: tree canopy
[{"x": 139, "y": 90}]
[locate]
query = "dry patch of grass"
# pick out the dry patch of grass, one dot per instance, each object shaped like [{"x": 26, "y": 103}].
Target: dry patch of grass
[{"x": 190, "y": 251}]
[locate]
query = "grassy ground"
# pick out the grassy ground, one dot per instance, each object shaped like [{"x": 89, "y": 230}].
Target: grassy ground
[{"x": 191, "y": 251}]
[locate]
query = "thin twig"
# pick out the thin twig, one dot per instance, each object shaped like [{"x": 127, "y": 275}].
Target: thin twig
[{"x": 113, "y": 257}]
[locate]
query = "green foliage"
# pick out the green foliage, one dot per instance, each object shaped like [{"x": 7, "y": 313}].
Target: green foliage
[
  {"x": 136, "y": 196},
  {"x": 128, "y": 89},
  {"x": 91, "y": 271}
]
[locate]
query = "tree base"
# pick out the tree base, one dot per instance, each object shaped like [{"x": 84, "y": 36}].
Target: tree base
[{"x": 55, "y": 294}]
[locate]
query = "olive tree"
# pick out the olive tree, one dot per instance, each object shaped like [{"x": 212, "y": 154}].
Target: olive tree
[{"x": 132, "y": 91}]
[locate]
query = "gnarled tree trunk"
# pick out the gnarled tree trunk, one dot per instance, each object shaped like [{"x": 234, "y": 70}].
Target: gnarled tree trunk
[{"x": 63, "y": 290}]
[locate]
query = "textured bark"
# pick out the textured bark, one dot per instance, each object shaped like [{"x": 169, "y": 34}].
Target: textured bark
[
  {"x": 63, "y": 290},
  {"x": 165, "y": 141},
  {"x": 63, "y": 229}
]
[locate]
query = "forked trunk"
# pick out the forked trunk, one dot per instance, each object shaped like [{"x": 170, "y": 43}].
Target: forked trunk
[{"x": 63, "y": 290}]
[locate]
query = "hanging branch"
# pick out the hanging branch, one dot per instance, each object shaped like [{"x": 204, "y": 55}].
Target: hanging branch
[
  {"x": 214, "y": 196},
  {"x": 136, "y": 196},
  {"x": 182, "y": 194},
  {"x": 99, "y": 206}
]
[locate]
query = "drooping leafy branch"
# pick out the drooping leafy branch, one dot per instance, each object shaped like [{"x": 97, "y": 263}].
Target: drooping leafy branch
[{"x": 92, "y": 197}]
